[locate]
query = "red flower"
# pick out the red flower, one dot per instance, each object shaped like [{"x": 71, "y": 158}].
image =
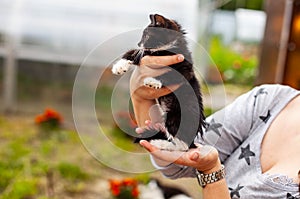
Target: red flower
[
  {"x": 52, "y": 114},
  {"x": 129, "y": 182},
  {"x": 49, "y": 114},
  {"x": 135, "y": 192},
  {"x": 50, "y": 119},
  {"x": 126, "y": 188},
  {"x": 115, "y": 187},
  {"x": 40, "y": 119}
]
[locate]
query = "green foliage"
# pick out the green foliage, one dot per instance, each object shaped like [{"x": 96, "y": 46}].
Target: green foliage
[
  {"x": 47, "y": 148},
  {"x": 16, "y": 150},
  {"x": 103, "y": 97},
  {"x": 103, "y": 103},
  {"x": 7, "y": 173},
  {"x": 236, "y": 68},
  {"x": 255, "y": 4},
  {"x": 25, "y": 188},
  {"x": 121, "y": 139},
  {"x": 143, "y": 178},
  {"x": 247, "y": 4},
  {"x": 27, "y": 159},
  {"x": 75, "y": 188},
  {"x": 71, "y": 172},
  {"x": 11, "y": 162},
  {"x": 208, "y": 111}
]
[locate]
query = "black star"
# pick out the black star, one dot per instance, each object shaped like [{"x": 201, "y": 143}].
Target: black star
[
  {"x": 265, "y": 118},
  {"x": 213, "y": 126},
  {"x": 289, "y": 196},
  {"x": 246, "y": 153},
  {"x": 260, "y": 91},
  {"x": 236, "y": 191}
]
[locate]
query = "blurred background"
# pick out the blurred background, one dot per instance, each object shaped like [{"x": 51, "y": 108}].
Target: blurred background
[{"x": 44, "y": 43}]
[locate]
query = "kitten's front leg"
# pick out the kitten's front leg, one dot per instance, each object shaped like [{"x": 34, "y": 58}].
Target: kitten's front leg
[
  {"x": 166, "y": 79},
  {"x": 123, "y": 65},
  {"x": 152, "y": 83}
]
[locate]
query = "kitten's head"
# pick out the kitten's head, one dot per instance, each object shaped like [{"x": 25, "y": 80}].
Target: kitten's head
[{"x": 160, "y": 32}]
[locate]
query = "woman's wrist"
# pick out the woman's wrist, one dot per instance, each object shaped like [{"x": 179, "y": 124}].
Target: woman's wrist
[{"x": 216, "y": 167}]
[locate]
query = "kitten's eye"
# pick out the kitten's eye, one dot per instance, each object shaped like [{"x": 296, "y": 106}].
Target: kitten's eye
[{"x": 157, "y": 23}]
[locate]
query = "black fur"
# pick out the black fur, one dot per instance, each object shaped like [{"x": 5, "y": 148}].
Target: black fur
[
  {"x": 170, "y": 191},
  {"x": 162, "y": 31}
]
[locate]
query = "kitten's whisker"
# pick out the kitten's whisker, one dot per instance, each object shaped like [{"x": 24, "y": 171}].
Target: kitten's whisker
[{"x": 163, "y": 47}]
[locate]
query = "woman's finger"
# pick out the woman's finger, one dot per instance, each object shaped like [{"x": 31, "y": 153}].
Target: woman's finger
[
  {"x": 193, "y": 157},
  {"x": 148, "y": 71},
  {"x": 149, "y": 147},
  {"x": 152, "y": 93},
  {"x": 161, "y": 61},
  {"x": 168, "y": 156},
  {"x": 139, "y": 130}
]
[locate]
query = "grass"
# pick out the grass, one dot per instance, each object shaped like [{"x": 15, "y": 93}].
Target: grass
[
  {"x": 71, "y": 172},
  {"x": 26, "y": 159},
  {"x": 55, "y": 165}
]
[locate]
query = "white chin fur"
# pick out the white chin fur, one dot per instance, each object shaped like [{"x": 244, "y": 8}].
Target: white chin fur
[
  {"x": 175, "y": 145},
  {"x": 121, "y": 67}
]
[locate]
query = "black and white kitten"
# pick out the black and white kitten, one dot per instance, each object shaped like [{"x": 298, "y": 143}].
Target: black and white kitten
[{"x": 183, "y": 108}]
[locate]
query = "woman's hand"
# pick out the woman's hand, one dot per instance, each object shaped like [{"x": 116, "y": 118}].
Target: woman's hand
[
  {"x": 152, "y": 66},
  {"x": 142, "y": 96},
  {"x": 203, "y": 158}
]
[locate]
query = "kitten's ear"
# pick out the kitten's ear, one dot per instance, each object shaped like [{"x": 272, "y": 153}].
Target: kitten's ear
[
  {"x": 157, "y": 20},
  {"x": 160, "y": 21}
]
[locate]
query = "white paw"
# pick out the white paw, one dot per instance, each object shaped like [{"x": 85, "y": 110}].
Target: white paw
[
  {"x": 121, "y": 66},
  {"x": 152, "y": 83},
  {"x": 174, "y": 145}
]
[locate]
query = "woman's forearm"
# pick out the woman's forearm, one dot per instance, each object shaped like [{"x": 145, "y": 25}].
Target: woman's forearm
[
  {"x": 217, "y": 189},
  {"x": 141, "y": 110}
]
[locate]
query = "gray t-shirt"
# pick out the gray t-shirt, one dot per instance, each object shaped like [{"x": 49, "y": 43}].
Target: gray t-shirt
[{"x": 237, "y": 132}]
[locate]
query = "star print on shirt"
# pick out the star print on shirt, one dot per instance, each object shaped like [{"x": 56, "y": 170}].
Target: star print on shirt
[
  {"x": 246, "y": 153},
  {"x": 290, "y": 196},
  {"x": 235, "y": 192},
  {"x": 260, "y": 91},
  {"x": 214, "y": 126},
  {"x": 266, "y": 118}
]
